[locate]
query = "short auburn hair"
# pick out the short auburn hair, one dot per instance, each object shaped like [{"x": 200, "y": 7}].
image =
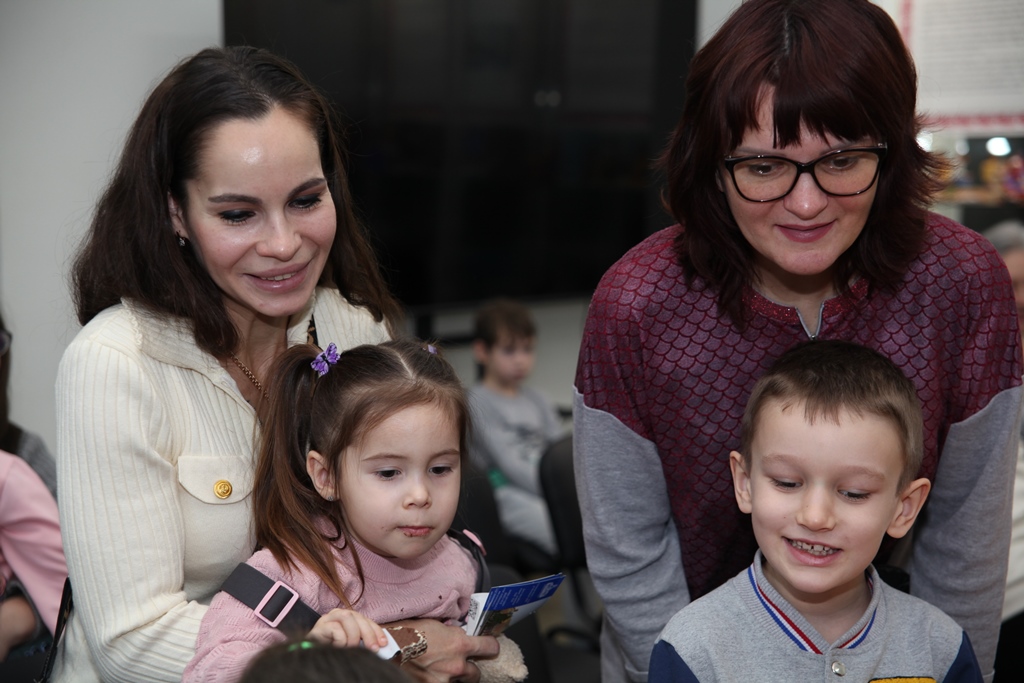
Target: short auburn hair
[
  {"x": 838, "y": 67},
  {"x": 503, "y": 318}
]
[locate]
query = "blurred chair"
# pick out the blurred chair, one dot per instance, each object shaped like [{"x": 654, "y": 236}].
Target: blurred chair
[
  {"x": 547, "y": 660},
  {"x": 558, "y": 481},
  {"x": 477, "y": 498}
]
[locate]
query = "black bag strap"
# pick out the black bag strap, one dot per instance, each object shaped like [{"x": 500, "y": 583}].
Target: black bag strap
[
  {"x": 62, "y": 618},
  {"x": 274, "y": 602}
]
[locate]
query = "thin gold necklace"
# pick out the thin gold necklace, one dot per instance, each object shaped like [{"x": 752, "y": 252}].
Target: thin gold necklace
[{"x": 252, "y": 378}]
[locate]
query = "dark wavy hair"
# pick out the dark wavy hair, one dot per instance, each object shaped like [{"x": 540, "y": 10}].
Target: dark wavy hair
[
  {"x": 306, "y": 412},
  {"x": 304, "y": 661},
  {"x": 131, "y": 250},
  {"x": 838, "y": 67}
]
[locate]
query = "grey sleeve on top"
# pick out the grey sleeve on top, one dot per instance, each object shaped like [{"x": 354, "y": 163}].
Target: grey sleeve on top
[
  {"x": 961, "y": 540},
  {"x": 632, "y": 544}
]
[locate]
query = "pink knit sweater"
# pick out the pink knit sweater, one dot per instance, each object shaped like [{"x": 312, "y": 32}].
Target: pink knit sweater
[
  {"x": 30, "y": 546},
  {"x": 436, "y": 585}
]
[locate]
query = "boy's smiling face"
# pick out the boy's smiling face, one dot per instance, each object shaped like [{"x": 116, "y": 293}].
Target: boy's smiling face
[{"x": 822, "y": 495}]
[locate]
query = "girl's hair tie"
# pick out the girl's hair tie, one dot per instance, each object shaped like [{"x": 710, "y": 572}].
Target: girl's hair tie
[
  {"x": 301, "y": 645},
  {"x": 325, "y": 359},
  {"x": 431, "y": 349}
]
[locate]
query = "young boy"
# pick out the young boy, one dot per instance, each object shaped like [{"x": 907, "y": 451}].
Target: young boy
[
  {"x": 831, "y": 443},
  {"x": 512, "y": 424}
]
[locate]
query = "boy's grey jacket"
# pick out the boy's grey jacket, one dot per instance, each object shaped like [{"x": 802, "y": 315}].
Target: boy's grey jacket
[{"x": 746, "y": 631}]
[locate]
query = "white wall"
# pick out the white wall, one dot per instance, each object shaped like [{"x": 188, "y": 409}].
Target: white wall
[
  {"x": 73, "y": 74},
  {"x": 710, "y": 15}
]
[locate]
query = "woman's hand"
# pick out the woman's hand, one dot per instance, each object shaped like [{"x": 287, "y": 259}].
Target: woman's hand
[
  {"x": 345, "y": 628},
  {"x": 449, "y": 650}
]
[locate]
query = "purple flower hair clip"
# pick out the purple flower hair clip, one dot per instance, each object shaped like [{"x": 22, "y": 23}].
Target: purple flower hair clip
[
  {"x": 431, "y": 349},
  {"x": 325, "y": 359}
]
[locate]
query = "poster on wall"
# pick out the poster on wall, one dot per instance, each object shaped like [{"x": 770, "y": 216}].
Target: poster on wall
[{"x": 970, "y": 62}]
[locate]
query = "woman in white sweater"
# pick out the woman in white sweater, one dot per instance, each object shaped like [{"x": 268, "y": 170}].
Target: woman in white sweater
[{"x": 225, "y": 236}]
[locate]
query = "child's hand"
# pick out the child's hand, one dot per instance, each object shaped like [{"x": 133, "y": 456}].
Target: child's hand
[
  {"x": 17, "y": 623},
  {"x": 345, "y": 628}
]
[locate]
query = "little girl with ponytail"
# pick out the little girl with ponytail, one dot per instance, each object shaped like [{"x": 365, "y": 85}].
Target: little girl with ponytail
[{"x": 357, "y": 484}]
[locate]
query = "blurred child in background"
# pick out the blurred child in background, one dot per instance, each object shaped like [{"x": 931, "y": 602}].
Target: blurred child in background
[{"x": 513, "y": 424}]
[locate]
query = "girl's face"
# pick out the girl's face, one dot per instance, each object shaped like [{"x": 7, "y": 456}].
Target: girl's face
[
  {"x": 798, "y": 238},
  {"x": 399, "y": 484},
  {"x": 260, "y": 216}
]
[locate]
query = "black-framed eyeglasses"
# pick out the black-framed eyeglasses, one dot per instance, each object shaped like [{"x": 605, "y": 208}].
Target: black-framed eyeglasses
[
  {"x": 5, "y": 341},
  {"x": 842, "y": 173}
]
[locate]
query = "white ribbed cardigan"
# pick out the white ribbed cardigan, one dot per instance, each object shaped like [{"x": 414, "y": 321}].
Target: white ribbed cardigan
[{"x": 149, "y": 429}]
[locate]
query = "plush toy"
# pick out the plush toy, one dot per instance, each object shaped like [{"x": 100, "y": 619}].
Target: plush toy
[{"x": 507, "y": 667}]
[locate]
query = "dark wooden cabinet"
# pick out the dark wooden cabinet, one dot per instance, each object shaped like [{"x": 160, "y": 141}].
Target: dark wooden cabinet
[{"x": 499, "y": 147}]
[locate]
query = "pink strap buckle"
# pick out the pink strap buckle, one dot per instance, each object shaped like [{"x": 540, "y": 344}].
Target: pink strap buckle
[{"x": 284, "y": 610}]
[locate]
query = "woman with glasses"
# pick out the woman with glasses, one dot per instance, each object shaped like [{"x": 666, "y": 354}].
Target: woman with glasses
[{"x": 801, "y": 198}]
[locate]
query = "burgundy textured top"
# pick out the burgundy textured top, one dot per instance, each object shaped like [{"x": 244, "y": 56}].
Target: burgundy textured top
[{"x": 658, "y": 358}]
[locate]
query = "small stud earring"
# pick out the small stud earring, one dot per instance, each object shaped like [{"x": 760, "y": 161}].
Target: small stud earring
[
  {"x": 330, "y": 499},
  {"x": 181, "y": 241}
]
